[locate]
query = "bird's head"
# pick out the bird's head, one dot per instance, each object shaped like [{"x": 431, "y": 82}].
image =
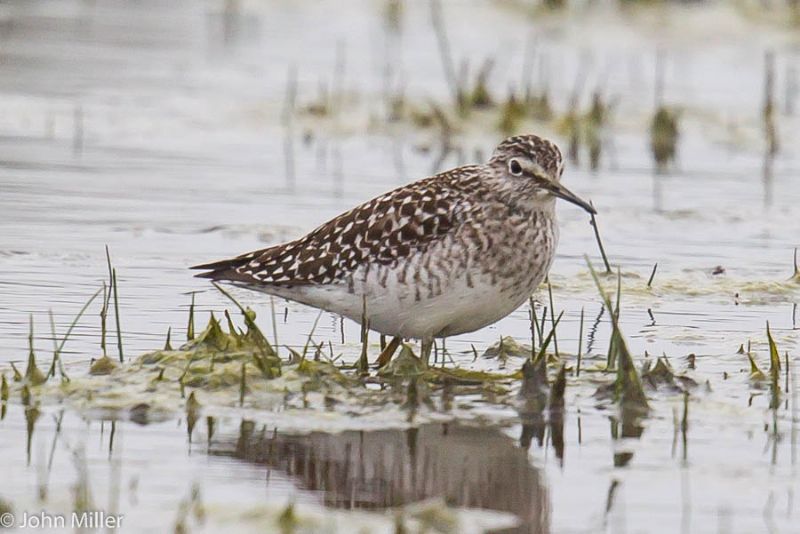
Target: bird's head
[{"x": 531, "y": 169}]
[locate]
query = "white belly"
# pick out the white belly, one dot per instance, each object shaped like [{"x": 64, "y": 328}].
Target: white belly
[{"x": 396, "y": 312}]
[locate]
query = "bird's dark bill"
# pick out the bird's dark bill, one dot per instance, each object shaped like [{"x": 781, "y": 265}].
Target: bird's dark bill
[{"x": 563, "y": 193}]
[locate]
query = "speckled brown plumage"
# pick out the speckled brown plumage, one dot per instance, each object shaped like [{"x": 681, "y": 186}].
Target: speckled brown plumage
[
  {"x": 440, "y": 256},
  {"x": 381, "y": 231}
]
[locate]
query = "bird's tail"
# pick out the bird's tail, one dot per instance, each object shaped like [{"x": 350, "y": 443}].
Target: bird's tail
[{"x": 229, "y": 270}]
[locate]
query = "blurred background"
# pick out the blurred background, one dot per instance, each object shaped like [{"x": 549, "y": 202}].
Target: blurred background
[{"x": 186, "y": 131}]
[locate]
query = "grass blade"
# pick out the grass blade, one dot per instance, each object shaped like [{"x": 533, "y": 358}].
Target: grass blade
[
  {"x": 75, "y": 321},
  {"x": 629, "y": 390},
  {"x": 652, "y": 275},
  {"x": 311, "y": 334},
  {"x": 580, "y": 346},
  {"x": 600, "y": 243},
  {"x": 116, "y": 314},
  {"x": 552, "y": 316}
]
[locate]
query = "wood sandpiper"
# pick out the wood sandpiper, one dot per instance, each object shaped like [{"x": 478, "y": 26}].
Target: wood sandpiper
[{"x": 442, "y": 256}]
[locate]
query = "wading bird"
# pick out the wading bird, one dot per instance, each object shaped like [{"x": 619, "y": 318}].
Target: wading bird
[{"x": 441, "y": 256}]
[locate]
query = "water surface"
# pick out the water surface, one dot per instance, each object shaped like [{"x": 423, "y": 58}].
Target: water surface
[{"x": 159, "y": 130}]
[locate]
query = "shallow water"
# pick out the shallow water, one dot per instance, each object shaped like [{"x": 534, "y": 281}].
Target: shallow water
[{"x": 158, "y": 131}]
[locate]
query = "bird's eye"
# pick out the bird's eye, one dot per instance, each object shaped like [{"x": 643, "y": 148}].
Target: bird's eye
[{"x": 514, "y": 167}]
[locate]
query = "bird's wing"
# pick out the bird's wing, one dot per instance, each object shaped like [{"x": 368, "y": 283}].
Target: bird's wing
[{"x": 383, "y": 230}]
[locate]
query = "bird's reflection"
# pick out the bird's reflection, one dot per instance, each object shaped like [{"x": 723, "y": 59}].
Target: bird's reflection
[{"x": 464, "y": 465}]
